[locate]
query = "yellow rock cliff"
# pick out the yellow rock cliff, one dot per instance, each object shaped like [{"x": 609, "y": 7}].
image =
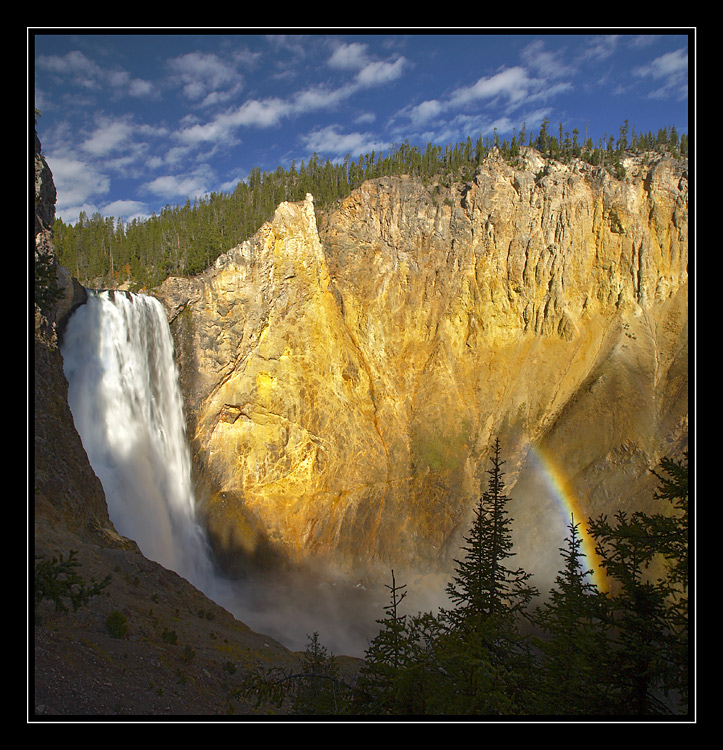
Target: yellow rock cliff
[{"x": 343, "y": 385}]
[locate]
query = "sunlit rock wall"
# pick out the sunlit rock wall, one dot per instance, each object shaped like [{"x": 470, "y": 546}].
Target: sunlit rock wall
[{"x": 343, "y": 387}]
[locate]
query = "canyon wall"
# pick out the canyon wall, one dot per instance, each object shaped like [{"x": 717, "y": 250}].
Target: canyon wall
[{"x": 345, "y": 374}]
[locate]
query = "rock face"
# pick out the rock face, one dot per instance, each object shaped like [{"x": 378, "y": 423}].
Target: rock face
[
  {"x": 343, "y": 386},
  {"x": 67, "y": 491}
]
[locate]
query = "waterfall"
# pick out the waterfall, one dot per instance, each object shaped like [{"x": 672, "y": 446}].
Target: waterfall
[
  {"x": 124, "y": 394},
  {"x": 126, "y": 403}
]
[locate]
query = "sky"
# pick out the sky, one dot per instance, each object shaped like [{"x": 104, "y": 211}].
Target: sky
[{"x": 134, "y": 120}]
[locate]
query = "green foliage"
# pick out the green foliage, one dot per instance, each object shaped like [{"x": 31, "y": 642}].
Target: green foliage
[
  {"x": 57, "y": 579},
  {"x": 317, "y": 689},
  {"x": 116, "y": 624},
  {"x": 484, "y": 636},
  {"x": 169, "y": 636},
  {"x": 649, "y": 644},
  {"x": 383, "y": 687},
  {"x": 471, "y": 659},
  {"x": 483, "y": 585},
  {"x": 184, "y": 240},
  {"x": 593, "y": 653},
  {"x": 573, "y": 648}
]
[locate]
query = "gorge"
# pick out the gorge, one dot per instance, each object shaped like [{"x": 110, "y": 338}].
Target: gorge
[
  {"x": 344, "y": 375},
  {"x": 344, "y": 385}
]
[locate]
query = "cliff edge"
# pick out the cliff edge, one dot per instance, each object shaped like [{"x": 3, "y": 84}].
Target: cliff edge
[{"x": 346, "y": 374}]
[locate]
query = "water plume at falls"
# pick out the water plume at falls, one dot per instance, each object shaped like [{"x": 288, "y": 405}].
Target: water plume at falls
[
  {"x": 124, "y": 394},
  {"x": 126, "y": 403}
]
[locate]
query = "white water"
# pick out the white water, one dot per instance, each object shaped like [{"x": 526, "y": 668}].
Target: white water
[{"x": 126, "y": 403}]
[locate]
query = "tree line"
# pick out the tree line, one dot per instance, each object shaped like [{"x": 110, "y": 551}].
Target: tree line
[
  {"x": 104, "y": 252},
  {"x": 493, "y": 652}
]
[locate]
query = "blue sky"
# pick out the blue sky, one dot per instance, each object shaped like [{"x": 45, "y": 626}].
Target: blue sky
[{"x": 133, "y": 121}]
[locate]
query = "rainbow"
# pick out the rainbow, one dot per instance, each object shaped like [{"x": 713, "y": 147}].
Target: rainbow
[{"x": 570, "y": 508}]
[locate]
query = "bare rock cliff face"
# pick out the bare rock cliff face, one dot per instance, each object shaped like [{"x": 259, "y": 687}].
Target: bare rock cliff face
[
  {"x": 68, "y": 495},
  {"x": 344, "y": 386}
]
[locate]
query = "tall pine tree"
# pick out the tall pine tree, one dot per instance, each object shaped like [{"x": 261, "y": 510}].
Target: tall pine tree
[
  {"x": 573, "y": 647},
  {"x": 382, "y": 688},
  {"x": 650, "y": 610},
  {"x": 491, "y": 601},
  {"x": 483, "y": 586}
]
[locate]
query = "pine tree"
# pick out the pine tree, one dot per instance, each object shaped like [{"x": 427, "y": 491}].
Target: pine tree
[
  {"x": 491, "y": 601},
  {"x": 319, "y": 689},
  {"x": 382, "y": 687},
  {"x": 650, "y": 611},
  {"x": 483, "y": 585},
  {"x": 573, "y": 647},
  {"x": 671, "y": 532}
]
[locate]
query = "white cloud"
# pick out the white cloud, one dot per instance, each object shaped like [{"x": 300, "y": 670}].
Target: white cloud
[
  {"x": 205, "y": 77},
  {"x": 272, "y": 111},
  {"x": 83, "y": 72},
  {"x": 377, "y": 73},
  {"x": 187, "y": 184},
  {"x": 330, "y": 142},
  {"x": 425, "y": 111},
  {"x": 512, "y": 87},
  {"x": 365, "y": 117},
  {"x": 140, "y": 88},
  {"x": 354, "y": 56},
  {"x": 671, "y": 64},
  {"x": 126, "y": 210},
  {"x": 222, "y": 128},
  {"x": 512, "y": 83},
  {"x": 601, "y": 47},
  {"x": 502, "y": 93},
  {"x": 317, "y": 98},
  {"x": 216, "y": 130},
  {"x": 77, "y": 183},
  {"x": 74, "y": 65},
  {"x": 546, "y": 63},
  {"x": 262, "y": 114},
  {"x": 671, "y": 70},
  {"x": 229, "y": 184},
  {"x": 108, "y": 136},
  {"x": 349, "y": 56}
]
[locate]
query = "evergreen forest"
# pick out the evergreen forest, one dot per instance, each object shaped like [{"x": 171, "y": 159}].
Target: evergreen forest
[
  {"x": 103, "y": 252},
  {"x": 498, "y": 652}
]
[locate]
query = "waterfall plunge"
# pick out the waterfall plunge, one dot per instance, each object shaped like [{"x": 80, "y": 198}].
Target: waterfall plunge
[
  {"x": 126, "y": 403},
  {"x": 127, "y": 407}
]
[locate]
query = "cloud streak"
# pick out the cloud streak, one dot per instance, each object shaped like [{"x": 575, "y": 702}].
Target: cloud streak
[
  {"x": 671, "y": 70},
  {"x": 270, "y": 112},
  {"x": 500, "y": 94},
  {"x": 205, "y": 78},
  {"x": 86, "y": 74}
]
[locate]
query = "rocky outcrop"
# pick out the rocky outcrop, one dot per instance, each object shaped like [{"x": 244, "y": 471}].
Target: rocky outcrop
[
  {"x": 68, "y": 495},
  {"x": 343, "y": 385},
  {"x": 57, "y": 294}
]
